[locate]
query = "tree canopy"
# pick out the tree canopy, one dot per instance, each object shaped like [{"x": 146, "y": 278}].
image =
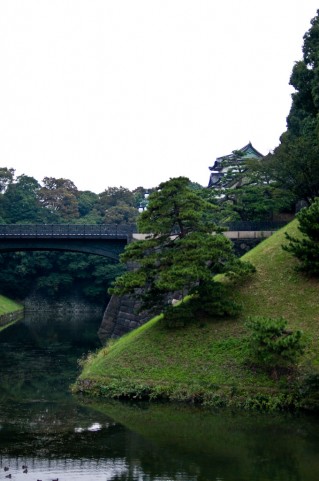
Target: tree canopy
[
  {"x": 24, "y": 200},
  {"x": 295, "y": 162},
  {"x": 183, "y": 250},
  {"x": 306, "y": 247}
]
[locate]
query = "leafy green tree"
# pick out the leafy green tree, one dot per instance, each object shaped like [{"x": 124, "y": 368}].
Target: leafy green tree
[
  {"x": 295, "y": 161},
  {"x": 272, "y": 345},
  {"x": 112, "y": 196},
  {"x": 86, "y": 202},
  {"x": 139, "y": 196},
  {"x": 93, "y": 217},
  {"x": 181, "y": 253},
  {"x": 53, "y": 274},
  {"x": 305, "y": 80},
  {"x": 56, "y": 275},
  {"x": 306, "y": 248},
  {"x": 6, "y": 177},
  {"x": 120, "y": 213},
  {"x": 296, "y": 165},
  {"x": 21, "y": 204},
  {"x": 59, "y": 196}
]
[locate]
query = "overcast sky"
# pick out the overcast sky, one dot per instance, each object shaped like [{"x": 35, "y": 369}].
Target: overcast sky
[{"x": 133, "y": 92}]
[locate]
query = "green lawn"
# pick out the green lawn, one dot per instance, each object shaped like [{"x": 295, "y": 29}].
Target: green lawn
[
  {"x": 6, "y": 305},
  {"x": 207, "y": 360}
]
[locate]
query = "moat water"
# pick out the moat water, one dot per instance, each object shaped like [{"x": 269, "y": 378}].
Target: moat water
[{"x": 51, "y": 435}]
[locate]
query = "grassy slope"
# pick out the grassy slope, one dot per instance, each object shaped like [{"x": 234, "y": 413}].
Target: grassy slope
[
  {"x": 205, "y": 358},
  {"x": 7, "y": 306}
]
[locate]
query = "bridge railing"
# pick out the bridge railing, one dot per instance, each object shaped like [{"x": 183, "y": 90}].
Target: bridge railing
[
  {"x": 108, "y": 230},
  {"x": 66, "y": 230}
]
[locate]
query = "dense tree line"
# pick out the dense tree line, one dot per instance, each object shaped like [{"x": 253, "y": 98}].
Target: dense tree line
[
  {"x": 294, "y": 164},
  {"x": 23, "y": 200}
]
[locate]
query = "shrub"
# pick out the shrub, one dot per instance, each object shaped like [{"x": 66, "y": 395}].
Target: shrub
[{"x": 272, "y": 345}]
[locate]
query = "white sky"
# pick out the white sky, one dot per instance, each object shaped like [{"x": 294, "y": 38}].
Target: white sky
[{"x": 133, "y": 92}]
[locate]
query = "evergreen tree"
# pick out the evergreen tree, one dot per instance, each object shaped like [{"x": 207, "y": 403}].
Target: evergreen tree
[
  {"x": 306, "y": 248},
  {"x": 272, "y": 346},
  {"x": 295, "y": 161},
  {"x": 181, "y": 253}
]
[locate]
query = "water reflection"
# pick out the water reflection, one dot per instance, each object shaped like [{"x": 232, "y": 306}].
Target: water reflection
[{"x": 57, "y": 436}]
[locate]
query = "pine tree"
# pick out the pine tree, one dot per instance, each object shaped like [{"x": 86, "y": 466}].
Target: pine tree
[{"x": 184, "y": 249}]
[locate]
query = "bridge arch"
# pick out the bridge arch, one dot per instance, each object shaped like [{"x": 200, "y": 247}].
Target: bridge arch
[{"x": 103, "y": 240}]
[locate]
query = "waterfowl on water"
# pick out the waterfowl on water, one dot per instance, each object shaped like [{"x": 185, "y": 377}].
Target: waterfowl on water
[
  {"x": 6, "y": 468},
  {"x": 25, "y": 470},
  {"x": 9, "y": 476}
]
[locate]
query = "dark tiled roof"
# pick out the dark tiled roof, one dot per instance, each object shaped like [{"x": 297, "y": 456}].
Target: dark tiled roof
[{"x": 247, "y": 149}]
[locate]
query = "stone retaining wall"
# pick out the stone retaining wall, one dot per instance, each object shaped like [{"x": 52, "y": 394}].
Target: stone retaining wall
[
  {"x": 75, "y": 304},
  {"x": 10, "y": 317},
  {"x": 121, "y": 316}
]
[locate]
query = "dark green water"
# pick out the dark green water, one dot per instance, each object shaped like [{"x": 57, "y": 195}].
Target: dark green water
[{"x": 58, "y": 436}]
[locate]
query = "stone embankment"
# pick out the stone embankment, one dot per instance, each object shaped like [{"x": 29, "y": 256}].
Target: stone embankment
[
  {"x": 121, "y": 316},
  {"x": 75, "y": 304},
  {"x": 122, "y": 312},
  {"x": 10, "y": 317}
]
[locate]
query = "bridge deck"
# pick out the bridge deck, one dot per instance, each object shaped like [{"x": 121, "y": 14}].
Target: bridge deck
[
  {"x": 62, "y": 231},
  {"x": 113, "y": 231}
]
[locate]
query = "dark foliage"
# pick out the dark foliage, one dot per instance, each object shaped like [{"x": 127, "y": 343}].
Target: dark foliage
[
  {"x": 181, "y": 254},
  {"x": 272, "y": 346},
  {"x": 306, "y": 248}
]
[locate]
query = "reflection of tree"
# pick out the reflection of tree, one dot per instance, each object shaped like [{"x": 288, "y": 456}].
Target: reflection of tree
[
  {"x": 202, "y": 445},
  {"x": 160, "y": 441},
  {"x": 282, "y": 465},
  {"x": 38, "y": 358}
]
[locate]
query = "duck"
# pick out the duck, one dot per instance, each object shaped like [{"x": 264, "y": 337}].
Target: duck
[{"x": 6, "y": 468}]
